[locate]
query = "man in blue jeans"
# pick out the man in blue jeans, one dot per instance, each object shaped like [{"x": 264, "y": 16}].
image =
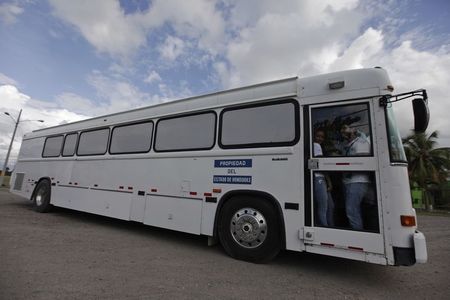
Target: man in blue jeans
[
  {"x": 356, "y": 184},
  {"x": 323, "y": 202}
]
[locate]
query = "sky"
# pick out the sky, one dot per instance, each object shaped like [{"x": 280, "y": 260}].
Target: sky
[{"x": 65, "y": 60}]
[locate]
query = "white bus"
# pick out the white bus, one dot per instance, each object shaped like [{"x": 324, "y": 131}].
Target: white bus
[{"x": 303, "y": 164}]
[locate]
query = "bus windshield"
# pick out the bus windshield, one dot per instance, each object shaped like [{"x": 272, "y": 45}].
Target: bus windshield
[{"x": 396, "y": 150}]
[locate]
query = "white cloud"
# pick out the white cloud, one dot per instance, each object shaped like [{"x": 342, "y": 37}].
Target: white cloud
[
  {"x": 115, "y": 94},
  {"x": 282, "y": 38},
  {"x": 152, "y": 77},
  {"x": 11, "y": 97},
  {"x": 12, "y": 102},
  {"x": 411, "y": 69},
  {"x": 172, "y": 48},
  {"x": 118, "y": 95},
  {"x": 7, "y": 80},
  {"x": 196, "y": 19},
  {"x": 168, "y": 93},
  {"x": 364, "y": 47},
  {"x": 103, "y": 24},
  {"x": 311, "y": 13},
  {"x": 75, "y": 103},
  {"x": 9, "y": 13}
]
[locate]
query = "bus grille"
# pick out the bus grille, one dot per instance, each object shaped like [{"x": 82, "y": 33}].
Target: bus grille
[{"x": 19, "y": 181}]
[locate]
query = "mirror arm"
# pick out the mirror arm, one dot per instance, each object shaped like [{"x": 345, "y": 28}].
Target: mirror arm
[{"x": 385, "y": 99}]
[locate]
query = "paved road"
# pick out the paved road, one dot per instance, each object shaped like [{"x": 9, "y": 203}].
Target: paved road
[{"x": 73, "y": 255}]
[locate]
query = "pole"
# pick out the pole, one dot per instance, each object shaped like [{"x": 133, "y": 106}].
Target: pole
[{"x": 2, "y": 178}]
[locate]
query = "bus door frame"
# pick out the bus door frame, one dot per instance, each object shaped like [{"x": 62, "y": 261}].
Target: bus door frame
[{"x": 340, "y": 240}]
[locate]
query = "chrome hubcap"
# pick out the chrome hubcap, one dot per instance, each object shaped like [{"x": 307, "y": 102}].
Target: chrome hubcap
[
  {"x": 39, "y": 200},
  {"x": 40, "y": 196},
  {"x": 248, "y": 227}
]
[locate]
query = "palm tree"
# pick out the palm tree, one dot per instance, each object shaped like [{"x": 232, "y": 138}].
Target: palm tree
[{"x": 428, "y": 166}]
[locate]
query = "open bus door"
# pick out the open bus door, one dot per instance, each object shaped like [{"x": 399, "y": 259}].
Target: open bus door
[{"x": 343, "y": 207}]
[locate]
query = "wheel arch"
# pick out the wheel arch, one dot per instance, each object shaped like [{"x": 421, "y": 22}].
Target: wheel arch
[
  {"x": 260, "y": 194},
  {"x": 36, "y": 183}
]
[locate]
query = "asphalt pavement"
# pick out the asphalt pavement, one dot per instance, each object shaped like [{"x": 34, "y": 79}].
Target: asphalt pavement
[{"x": 73, "y": 255}]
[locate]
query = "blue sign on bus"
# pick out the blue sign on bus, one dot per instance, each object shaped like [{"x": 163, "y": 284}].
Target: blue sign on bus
[
  {"x": 232, "y": 179},
  {"x": 232, "y": 163}
]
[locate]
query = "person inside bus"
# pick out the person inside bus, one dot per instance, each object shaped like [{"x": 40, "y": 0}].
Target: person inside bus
[
  {"x": 356, "y": 184},
  {"x": 323, "y": 201}
]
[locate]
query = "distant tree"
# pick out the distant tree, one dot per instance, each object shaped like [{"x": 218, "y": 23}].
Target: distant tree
[{"x": 428, "y": 166}]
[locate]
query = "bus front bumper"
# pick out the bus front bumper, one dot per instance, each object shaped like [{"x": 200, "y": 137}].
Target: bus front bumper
[
  {"x": 416, "y": 254},
  {"x": 420, "y": 247}
]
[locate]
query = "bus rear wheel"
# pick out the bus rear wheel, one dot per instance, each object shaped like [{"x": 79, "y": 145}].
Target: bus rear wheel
[
  {"x": 249, "y": 229},
  {"x": 41, "y": 197}
]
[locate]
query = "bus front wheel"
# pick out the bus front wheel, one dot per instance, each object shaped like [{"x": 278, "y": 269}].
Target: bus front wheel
[
  {"x": 41, "y": 197},
  {"x": 249, "y": 229}
]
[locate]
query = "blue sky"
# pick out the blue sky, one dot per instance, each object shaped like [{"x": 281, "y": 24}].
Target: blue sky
[{"x": 63, "y": 60}]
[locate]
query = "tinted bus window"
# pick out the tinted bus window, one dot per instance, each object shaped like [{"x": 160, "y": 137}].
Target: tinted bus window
[
  {"x": 70, "y": 143},
  {"x": 265, "y": 125},
  {"x": 134, "y": 138},
  {"x": 191, "y": 132},
  {"x": 93, "y": 142},
  {"x": 52, "y": 146},
  {"x": 345, "y": 129}
]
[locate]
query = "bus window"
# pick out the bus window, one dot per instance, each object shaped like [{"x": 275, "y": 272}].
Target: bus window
[
  {"x": 52, "y": 146},
  {"x": 188, "y": 132},
  {"x": 93, "y": 142},
  {"x": 346, "y": 129},
  {"x": 133, "y": 138},
  {"x": 345, "y": 200},
  {"x": 70, "y": 143},
  {"x": 264, "y": 125},
  {"x": 396, "y": 150}
]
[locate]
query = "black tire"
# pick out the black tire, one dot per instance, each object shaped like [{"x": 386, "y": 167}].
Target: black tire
[
  {"x": 249, "y": 229},
  {"x": 41, "y": 197}
]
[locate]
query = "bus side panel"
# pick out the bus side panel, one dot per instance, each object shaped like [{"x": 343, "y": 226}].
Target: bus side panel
[
  {"x": 35, "y": 170},
  {"x": 30, "y": 149},
  {"x": 110, "y": 204},
  {"x": 94, "y": 187},
  {"x": 173, "y": 213},
  {"x": 168, "y": 185},
  {"x": 60, "y": 173},
  {"x": 27, "y": 185},
  {"x": 176, "y": 188},
  {"x": 279, "y": 176}
]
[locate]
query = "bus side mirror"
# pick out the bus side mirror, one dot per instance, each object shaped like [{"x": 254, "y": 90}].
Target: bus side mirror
[{"x": 421, "y": 114}]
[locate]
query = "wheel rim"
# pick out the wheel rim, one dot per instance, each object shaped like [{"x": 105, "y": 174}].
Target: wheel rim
[
  {"x": 248, "y": 227},
  {"x": 40, "y": 196}
]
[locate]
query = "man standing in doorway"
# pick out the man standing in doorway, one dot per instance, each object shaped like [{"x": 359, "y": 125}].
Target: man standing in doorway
[{"x": 356, "y": 184}]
